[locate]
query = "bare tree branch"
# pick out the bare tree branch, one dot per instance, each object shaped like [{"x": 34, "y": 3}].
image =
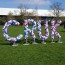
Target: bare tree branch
[{"x": 57, "y": 8}]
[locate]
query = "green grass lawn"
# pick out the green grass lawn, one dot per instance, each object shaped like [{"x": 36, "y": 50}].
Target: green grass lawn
[{"x": 40, "y": 54}]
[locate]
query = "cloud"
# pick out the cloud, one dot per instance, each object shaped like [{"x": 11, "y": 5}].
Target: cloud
[{"x": 32, "y": 2}]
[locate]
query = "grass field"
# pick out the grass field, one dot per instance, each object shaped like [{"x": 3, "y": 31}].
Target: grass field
[{"x": 40, "y": 54}]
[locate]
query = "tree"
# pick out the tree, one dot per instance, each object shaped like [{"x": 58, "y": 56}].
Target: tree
[
  {"x": 10, "y": 16},
  {"x": 56, "y": 9},
  {"x": 24, "y": 12}
]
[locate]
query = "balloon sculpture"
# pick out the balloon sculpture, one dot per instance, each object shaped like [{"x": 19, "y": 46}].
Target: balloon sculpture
[
  {"x": 5, "y": 34},
  {"x": 53, "y": 30},
  {"x": 46, "y": 31},
  {"x": 31, "y": 31}
]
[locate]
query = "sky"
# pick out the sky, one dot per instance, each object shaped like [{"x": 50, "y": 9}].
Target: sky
[{"x": 30, "y": 4}]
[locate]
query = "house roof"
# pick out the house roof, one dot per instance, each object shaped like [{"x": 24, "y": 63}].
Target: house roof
[{"x": 16, "y": 11}]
